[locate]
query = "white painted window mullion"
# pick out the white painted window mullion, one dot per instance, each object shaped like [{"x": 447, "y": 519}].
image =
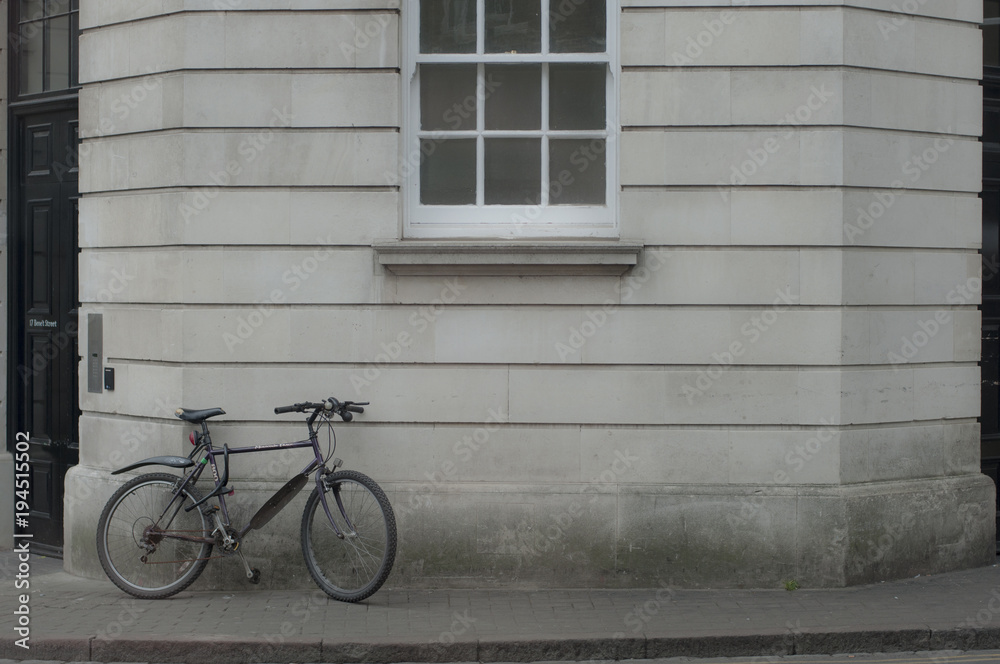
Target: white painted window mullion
[
  {"x": 545, "y": 135},
  {"x": 480, "y": 126}
]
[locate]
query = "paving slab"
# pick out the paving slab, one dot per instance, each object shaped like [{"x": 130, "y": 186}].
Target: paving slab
[{"x": 77, "y": 619}]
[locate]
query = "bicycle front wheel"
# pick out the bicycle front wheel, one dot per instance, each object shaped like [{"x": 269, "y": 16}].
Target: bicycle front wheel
[
  {"x": 353, "y": 567},
  {"x": 139, "y": 537}
]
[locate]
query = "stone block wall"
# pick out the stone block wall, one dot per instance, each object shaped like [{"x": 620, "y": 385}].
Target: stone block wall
[{"x": 784, "y": 388}]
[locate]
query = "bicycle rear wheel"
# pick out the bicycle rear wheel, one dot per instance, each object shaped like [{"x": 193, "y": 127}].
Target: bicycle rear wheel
[
  {"x": 134, "y": 542},
  {"x": 353, "y": 568}
]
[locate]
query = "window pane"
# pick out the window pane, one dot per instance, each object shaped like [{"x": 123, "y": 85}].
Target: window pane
[
  {"x": 59, "y": 53},
  {"x": 577, "y": 26},
  {"x": 991, "y": 34},
  {"x": 513, "y": 96},
  {"x": 577, "y": 171},
  {"x": 577, "y": 96},
  {"x": 448, "y": 26},
  {"x": 32, "y": 9},
  {"x": 513, "y": 26},
  {"x": 448, "y": 97},
  {"x": 513, "y": 171},
  {"x": 31, "y": 57},
  {"x": 74, "y": 44},
  {"x": 448, "y": 172}
]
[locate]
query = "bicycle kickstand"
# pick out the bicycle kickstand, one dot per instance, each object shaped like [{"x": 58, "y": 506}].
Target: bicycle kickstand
[{"x": 253, "y": 574}]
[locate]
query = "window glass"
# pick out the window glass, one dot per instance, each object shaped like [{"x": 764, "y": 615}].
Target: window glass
[
  {"x": 513, "y": 26},
  {"x": 510, "y": 116},
  {"x": 578, "y": 171},
  {"x": 448, "y": 26},
  {"x": 578, "y": 27},
  {"x": 514, "y": 96},
  {"x": 32, "y": 58},
  {"x": 46, "y": 49},
  {"x": 513, "y": 171},
  {"x": 448, "y": 97},
  {"x": 577, "y": 96},
  {"x": 448, "y": 172},
  {"x": 991, "y": 33},
  {"x": 59, "y": 52}
]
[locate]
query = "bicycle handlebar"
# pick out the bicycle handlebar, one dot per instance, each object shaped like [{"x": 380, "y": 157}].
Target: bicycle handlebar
[{"x": 342, "y": 408}]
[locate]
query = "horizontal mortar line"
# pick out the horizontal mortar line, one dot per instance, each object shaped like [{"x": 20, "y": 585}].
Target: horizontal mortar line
[
  {"x": 266, "y": 303},
  {"x": 571, "y": 426},
  {"x": 786, "y": 129},
  {"x": 255, "y": 129},
  {"x": 811, "y": 247},
  {"x": 332, "y": 188},
  {"x": 791, "y": 8},
  {"x": 544, "y": 366},
  {"x": 175, "y": 71},
  {"x": 269, "y": 188},
  {"x": 971, "y": 251},
  {"x": 236, "y": 11},
  {"x": 845, "y": 67},
  {"x": 790, "y": 128},
  {"x": 665, "y": 66},
  {"x": 161, "y": 73},
  {"x": 715, "y": 187},
  {"x": 543, "y": 306},
  {"x": 228, "y": 248},
  {"x": 793, "y": 187}
]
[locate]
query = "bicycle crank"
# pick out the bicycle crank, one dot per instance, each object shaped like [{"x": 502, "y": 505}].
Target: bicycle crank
[{"x": 253, "y": 574}]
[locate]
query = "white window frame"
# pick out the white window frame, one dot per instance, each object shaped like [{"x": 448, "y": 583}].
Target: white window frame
[{"x": 506, "y": 221}]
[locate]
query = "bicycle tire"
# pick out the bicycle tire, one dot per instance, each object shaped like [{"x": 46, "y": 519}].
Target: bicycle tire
[
  {"x": 137, "y": 504},
  {"x": 355, "y": 567}
]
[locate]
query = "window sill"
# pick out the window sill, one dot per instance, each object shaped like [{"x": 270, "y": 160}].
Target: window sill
[{"x": 498, "y": 258}]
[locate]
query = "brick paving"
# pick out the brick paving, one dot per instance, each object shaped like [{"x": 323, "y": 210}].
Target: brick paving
[{"x": 76, "y": 619}]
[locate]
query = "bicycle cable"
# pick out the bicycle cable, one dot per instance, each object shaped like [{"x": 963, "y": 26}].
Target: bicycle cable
[{"x": 331, "y": 437}]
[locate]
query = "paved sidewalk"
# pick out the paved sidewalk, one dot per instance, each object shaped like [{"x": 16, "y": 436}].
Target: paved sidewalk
[{"x": 75, "y": 619}]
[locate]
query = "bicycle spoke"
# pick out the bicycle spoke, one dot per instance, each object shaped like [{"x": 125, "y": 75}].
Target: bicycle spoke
[{"x": 351, "y": 568}]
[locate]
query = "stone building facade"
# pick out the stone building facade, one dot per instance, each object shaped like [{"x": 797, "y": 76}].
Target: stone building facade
[{"x": 733, "y": 341}]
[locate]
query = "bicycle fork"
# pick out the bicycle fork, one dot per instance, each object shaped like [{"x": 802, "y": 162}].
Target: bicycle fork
[{"x": 321, "y": 484}]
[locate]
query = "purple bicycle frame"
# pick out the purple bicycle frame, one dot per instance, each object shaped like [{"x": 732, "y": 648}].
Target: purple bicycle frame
[{"x": 314, "y": 465}]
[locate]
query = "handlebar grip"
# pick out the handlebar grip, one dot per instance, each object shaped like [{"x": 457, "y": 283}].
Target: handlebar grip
[
  {"x": 355, "y": 409},
  {"x": 347, "y": 417},
  {"x": 284, "y": 409}
]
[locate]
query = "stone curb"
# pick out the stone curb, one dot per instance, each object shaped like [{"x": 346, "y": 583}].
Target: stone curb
[{"x": 228, "y": 649}]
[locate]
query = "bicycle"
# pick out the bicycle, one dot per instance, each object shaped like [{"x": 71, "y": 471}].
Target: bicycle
[{"x": 156, "y": 533}]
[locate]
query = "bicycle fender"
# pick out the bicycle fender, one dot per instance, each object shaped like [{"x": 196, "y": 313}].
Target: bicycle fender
[{"x": 172, "y": 461}]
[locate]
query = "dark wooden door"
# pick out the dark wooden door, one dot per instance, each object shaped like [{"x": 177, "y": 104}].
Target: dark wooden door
[
  {"x": 44, "y": 302},
  {"x": 990, "y": 364}
]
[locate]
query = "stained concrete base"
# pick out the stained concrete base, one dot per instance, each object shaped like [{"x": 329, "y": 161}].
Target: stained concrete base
[{"x": 620, "y": 536}]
